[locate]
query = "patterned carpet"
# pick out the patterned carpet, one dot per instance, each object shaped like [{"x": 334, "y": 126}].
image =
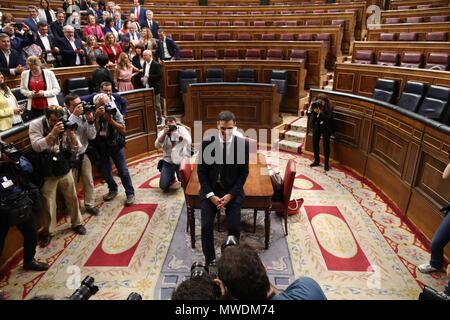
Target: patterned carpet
[{"x": 346, "y": 236}]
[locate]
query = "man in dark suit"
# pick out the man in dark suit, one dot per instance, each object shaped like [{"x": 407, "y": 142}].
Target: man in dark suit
[
  {"x": 72, "y": 53},
  {"x": 115, "y": 98},
  {"x": 167, "y": 47},
  {"x": 149, "y": 23},
  {"x": 151, "y": 78},
  {"x": 11, "y": 62},
  {"x": 48, "y": 44},
  {"x": 32, "y": 19},
  {"x": 222, "y": 172},
  {"x": 56, "y": 27},
  {"x": 139, "y": 12}
]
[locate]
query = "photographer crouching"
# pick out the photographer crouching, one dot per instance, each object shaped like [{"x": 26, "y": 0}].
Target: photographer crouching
[
  {"x": 84, "y": 117},
  {"x": 56, "y": 144},
  {"x": 175, "y": 141},
  {"x": 19, "y": 204},
  {"x": 110, "y": 143}
]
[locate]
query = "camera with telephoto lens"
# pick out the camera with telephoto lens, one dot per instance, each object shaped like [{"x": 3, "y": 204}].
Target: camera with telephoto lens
[
  {"x": 10, "y": 151},
  {"x": 110, "y": 109},
  {"x": 68, "y": 125},
  {"x": 199, "y": 270},
  {"x": 314, "y": 105},
  {"x": 86, "y": 290},
  {"x": 87, "y": 107}
]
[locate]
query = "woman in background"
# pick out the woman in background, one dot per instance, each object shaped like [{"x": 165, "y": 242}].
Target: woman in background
[
  {"x": 111, "y": 48},
  {"x": 124, "y": 73},
  {"x": 9, "y": 108},
  {"x": 46, "y": 13}
]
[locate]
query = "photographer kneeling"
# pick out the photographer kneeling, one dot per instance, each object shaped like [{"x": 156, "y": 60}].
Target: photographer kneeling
[
  {"x": 53, "y": 138},
  {"x": 175, "y": 141},
  {"x": 19, "y": 204},
  {"x": 110, "y": 143}
]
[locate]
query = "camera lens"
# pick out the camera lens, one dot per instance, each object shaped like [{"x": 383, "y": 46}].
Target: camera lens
[{"x": 198, "y": 270}]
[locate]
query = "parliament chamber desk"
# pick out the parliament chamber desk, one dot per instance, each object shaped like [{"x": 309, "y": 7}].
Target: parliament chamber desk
[
  {"x": 258, "y": 194},
  {"x": 263, "y": 69},
  {"x": 420, "y": 28},
  {"x": 394, "y": 4},
  {"x": 360, "y": 79},
  {"x": 400, "y": 152},
  {"x": 140, "y": 140},
  {"x": 426, "y": 14},
  {"x": 255, "y": 105}
]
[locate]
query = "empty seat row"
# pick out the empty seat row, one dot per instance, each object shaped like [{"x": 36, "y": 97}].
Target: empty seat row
[
  {"x": 250, "y": 54},
  {"x": 257, "y": 23},
  {"x": 413, "y": 36},
  {"x": 189, "y": 76},
  {"x": 285, "y": 12},
  {"x": 433, "y": 61},
  {"x": 430, "y": 101},
  {"x": 416, "y": 19},
  {"x": 225, "y": 36}
]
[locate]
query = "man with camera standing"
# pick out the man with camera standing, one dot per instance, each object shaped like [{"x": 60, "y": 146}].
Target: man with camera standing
[
  {"x": 85, "y": 118},
  {"x": 110, "y": 143},
  {"x": 175, "y": 141},
  {"x": 52, "y": 137},
  {"x": 15, "y": 189}
]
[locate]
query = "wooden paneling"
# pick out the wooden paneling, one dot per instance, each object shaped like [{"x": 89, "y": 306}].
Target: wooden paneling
[
  {"x": 256, "y": 106},
  {"x": 263, "y": 68},
  {"x": 394, "y": 4},
  {"x": 257, "y": 32},
  {"x": 401, "y": 47},
  {"x": 361, "y": 79},
  {"x": 315, "y": 64},
  {"x": 141, "y": 136},
  {"x": 324, "y": 19},
  {"x": 403, "y": 156},
  {"x": 423, "y": 13},
  {"x": 420, "y": 28}
]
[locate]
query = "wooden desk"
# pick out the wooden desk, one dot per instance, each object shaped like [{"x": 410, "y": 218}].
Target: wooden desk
[
  {"x": 258, "y": 194},
  {"x": 423, "y": 13},
  {"x": 397, "y": 3},
  {"x": 421, "y": 28}
]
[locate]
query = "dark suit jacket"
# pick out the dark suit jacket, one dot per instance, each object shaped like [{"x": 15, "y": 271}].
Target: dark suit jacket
[
  {"x": 142, "y": 14},
  {"x": 237, "y": 169},
  {"x": 56, "y": 29},
  {"x": 14, "y": 60},
  {"x": 98, "y": 76},
  {"x": 154, "y": 76},
  {"x": 171, "y": 47},
  {"x": 121, "y": 103},
  {"x": 51, "y": 40},
  {"x": 68, "y": 55},
  {"x": 322, "y": 123},
  {"x": 154, "y": 28},
  {"x": 19, "y": 42}
]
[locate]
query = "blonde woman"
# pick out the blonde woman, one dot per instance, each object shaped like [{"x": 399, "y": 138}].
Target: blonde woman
[
  {"x": 111, "y": 48},
  {"x": 92, "y": 49},
  {"x": 39, "y": 86},
  {"x": 8, "y": 106},
  {"x": 150, "y": 43},
  {"x": 125, "y": 73}
]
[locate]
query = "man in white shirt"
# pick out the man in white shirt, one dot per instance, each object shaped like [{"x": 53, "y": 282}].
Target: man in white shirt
[
  {"x": 168, "y": 48},
  {"x": 71, "y": 48},
  {"x": 175, "y": 141},
  {"x": 47, "y": 43},
  {"x": 151, "y": 79},
  {"x": 133, "y": 34}
]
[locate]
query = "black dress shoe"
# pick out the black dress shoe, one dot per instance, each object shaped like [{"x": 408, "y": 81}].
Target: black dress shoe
[
  {"x": 80, "y": 229},
  {"x": 326, "y": 167},
  {"x": 314, "y": 164},
  {"x": 92, "y": 210},
  {"x": 35, "y": 266},
  {"x": 45, "y": 240},
  {"x": 110, "y": 195}
]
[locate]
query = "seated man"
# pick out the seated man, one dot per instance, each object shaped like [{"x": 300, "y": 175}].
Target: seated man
[
  {"x": 115, "y": 99},
  {"x": 15, "y": 187},
  {"x": 243, "y": 276},
  {"x": 175, "y": 141},
  {"x": 56, "y": 145},
  {"x": 110, "y": 143},
  {"x": 222, "y": 172}
]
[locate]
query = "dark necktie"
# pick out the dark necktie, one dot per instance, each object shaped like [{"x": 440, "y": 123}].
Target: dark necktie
[{"x": 223, "y": 168}]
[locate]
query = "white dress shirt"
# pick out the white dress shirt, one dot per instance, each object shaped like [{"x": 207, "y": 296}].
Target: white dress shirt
[
  {"x": 77, "y": 61},
  {"x": 47, "y": 46}
]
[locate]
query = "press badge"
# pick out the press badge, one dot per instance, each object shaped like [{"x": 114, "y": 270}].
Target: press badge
[{"x": 7, "y": 183}]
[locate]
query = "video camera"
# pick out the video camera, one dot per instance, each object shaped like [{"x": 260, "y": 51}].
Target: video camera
[
  {"x": 110, "y": 109},
  {"x": 10, "y": 151},
  {"x": 86, "y": 290}
]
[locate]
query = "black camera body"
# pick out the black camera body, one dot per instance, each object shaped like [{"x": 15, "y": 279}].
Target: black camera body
[
  {"x": 429, "y": 293},
  {"x": 316, "y": 104},
  {"x": 199, "y": 270},
  {"x": 87, "y": 107},
  {"x": 134, "y": 296},
  {"x": 17, "y": 26},
  {"x": 172, "y": 128},
  {"x": 10, "y": 151},
  {"x": 86, "y": 290},
  {"x": 68, "y": 125},
  {"x": 110, "y": 109}
]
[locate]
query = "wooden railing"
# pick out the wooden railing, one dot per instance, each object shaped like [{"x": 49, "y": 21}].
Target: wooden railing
[{"x": 402, "y": 153}]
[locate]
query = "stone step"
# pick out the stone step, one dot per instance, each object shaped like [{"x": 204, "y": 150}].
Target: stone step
[
  {"x": 295, "y": 136},
  {"x": 290, "y": 146},
  {"x": 300, "y": 125}
]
